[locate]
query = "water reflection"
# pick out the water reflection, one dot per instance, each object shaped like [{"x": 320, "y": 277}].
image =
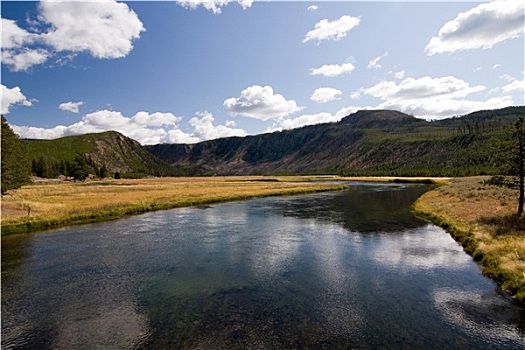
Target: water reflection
[
  {"x": 366, "y": 207},
  {"x": 413, "y": 250},
  {"x": 342, "y": 270},
  {"x": 481, "y": 315}
]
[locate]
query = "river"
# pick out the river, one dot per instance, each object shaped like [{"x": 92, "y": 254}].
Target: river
[{"x": 346, "y": 270}]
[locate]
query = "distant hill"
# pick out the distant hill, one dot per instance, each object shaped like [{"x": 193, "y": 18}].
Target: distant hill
[
  {"x": 110, "y": 150},
  {"x": 369, "y": 142}
]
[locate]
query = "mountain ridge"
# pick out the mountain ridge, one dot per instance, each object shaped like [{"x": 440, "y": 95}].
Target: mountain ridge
[{"x": 368, "y": 142}]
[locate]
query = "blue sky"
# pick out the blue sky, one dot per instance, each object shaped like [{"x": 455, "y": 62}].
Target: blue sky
[{"x": 188, "y": 71}]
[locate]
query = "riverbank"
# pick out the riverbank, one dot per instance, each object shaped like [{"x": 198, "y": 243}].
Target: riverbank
[
  {"x": 482, "y": 218},
  {"x": 51, "y": 204}
]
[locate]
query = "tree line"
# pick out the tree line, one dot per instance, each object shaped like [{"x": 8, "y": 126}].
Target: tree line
[{"x": 78, "y": 169}]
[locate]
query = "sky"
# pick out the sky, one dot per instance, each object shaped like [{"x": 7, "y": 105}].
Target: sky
[{"x": 190, "y": 70}]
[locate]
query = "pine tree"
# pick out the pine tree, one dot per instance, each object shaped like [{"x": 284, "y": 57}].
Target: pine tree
[
  {"x": 80, "y": 169},
  {"x": 16, "y": 168}
]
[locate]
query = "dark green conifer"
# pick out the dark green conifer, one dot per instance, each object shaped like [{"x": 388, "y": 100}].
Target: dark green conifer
[{"x": 16, "y": 168}]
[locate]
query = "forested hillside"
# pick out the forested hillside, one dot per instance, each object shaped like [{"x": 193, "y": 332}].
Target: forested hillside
[
  {"x": 369, "y": 142},
  {"x": 102, "y": 154}
]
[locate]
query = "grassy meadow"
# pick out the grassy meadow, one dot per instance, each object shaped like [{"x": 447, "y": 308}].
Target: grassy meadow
[
  {"x": 52, "y": 204},
  {"x": 483, "y": 219}
]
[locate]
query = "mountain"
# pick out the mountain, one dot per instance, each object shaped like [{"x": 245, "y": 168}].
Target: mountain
[
  {"x": 110, "y": 150},
  {"x": 369, "y": 142}
]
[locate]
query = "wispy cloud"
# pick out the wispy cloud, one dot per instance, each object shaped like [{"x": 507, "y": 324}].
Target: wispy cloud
[
  {"x": 375, "y": 62},
  {"x": 333, "y": 70},
  {"x": 332, "y": 30}
]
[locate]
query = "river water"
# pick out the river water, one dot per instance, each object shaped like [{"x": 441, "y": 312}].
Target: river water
[{"x": 347, "y": 270}]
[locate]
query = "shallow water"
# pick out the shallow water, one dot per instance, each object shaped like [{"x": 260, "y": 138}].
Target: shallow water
[{"x": 347, "y": 270}]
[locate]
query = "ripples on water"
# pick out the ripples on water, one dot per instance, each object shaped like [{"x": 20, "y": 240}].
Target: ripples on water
[{"x": 339, "y": 271}]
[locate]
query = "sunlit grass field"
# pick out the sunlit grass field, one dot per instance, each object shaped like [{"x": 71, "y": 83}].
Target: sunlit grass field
[
  {"x": 51, "y": 204},
  {"x": 483, "y": 219}
]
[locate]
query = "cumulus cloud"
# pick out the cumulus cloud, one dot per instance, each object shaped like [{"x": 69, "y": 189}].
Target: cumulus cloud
[
  {"x": 104, "y": 29},
  {"x": 375, "y": 62},
  {"x": 260, "y": 103},
  {"x": 11, "y": 97},
  {"x": 322, "y": 95},
  {"x": 146, "y": 128},
  {"x": 424, "y": 87},
  {"x": 14, "y": 54},
  {"x": 481, "y": 27},
  {"x": 213, "y": 5},
  {"x": 432, "y": 98},
  {"x": 313, "y": 8},
  {"x": 205, "y": 130},
  {"x": 72, "y": 107},
  {"x": 332, "y": 30},
  {"x": 312, "y": 119},
  {"x": 333, "y": 70}
]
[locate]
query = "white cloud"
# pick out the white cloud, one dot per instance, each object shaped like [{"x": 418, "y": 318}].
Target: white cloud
[
  {"x": 514, "y": 86},
  {"x": 313, "y": 8},
  {"x": 23, "y": 59},
  {"x": 355, "y": 95},
  {"x": 333, "y": 70},
  {"x": 146, "y": 128},
  {"x": 375, "y": 62},
  {"x": 260, "y": 103},
  {"x": 312, "y": 119},
  {"x": 432, "y": 98},
  {"x": 335, "y": 30},
  {"x": 322, "y": 95},
  {"x": 400, "y": 74},
  {"x": 13, "y": 36},
  {"x": 14, "y": 54},
  {"x": 205, "y": 130},
  {"x": 105, "y": 29},
  {"x": 10, "y": 97},
  {"x": 424, "y": 87},
  {"x": 31, "y": 132},
  {"x": 70, "y": 106},
  {"x": 213, "y": 5},
  {"x": 481, "y": 27}
]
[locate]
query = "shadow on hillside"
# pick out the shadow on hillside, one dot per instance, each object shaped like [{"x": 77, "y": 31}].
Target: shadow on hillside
[{"x": 505, "y": 225}]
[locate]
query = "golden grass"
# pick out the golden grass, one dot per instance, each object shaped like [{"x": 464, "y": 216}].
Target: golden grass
[
  {"x": 483, "y": 219},
  {"x": 46, "y": 205}
]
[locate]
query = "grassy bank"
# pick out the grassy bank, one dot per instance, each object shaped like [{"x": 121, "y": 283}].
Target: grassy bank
[
  {"x": 483, "y": 219},
  {"x": 42, "y": 206}
]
